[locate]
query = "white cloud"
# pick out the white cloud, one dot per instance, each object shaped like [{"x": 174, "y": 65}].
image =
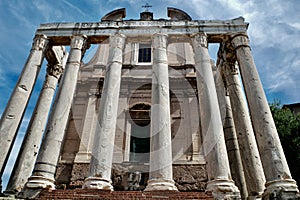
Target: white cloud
[{"x": 74, "y": 7}]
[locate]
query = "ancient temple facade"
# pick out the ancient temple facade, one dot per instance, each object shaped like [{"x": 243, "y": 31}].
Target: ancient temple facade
[{"x": 150, "y": 111}]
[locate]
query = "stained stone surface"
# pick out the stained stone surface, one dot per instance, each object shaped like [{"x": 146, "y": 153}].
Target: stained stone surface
[{"x": 186, "y": 177}]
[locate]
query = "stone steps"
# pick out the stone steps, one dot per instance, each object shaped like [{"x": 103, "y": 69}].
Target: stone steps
[{"x": 125, "y": 195}]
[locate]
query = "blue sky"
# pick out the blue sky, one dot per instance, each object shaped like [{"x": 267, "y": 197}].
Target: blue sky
[{"x": 274, "y": 34}]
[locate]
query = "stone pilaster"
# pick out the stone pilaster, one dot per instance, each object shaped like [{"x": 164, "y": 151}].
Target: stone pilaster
[
  {"x": 246, "y": 138},
  {"x": 13, "y": 113},
  {"x": 32, "y": 140},
  {"x": 102, "y": 153},
  {"x": 214, "y": 147},
  {"x": 279, "y": 181},
  {"x": 86, "y": 138},
  {"x": 161, "y": 174},
  {"x": 45, "y": 166}
]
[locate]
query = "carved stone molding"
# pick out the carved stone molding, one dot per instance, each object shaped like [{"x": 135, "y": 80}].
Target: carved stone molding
[{"x": 40, "y": 42}]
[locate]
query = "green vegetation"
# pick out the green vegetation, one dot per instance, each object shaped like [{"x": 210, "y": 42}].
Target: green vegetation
[{"x": 288, "y": 127}]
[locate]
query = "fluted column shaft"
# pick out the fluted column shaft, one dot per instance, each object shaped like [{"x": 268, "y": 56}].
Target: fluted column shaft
[
  {"x": 161, "y": 173},
  {"x": 13, "y": 113},
  {"x": 102, "y": 153},
  {"x": 275, "y": 166},
  {"x": 32, "y": 140},
  {"x": 45, "y": 166},
  {"x": 247, "y": 142},
  {"x": 211, "y": 124}
]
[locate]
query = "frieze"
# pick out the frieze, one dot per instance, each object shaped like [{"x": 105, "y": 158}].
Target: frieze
[{"x": 59, "y": 33}]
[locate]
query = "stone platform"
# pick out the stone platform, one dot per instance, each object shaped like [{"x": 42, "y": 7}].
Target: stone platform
[{"x": 126, "y": 195}]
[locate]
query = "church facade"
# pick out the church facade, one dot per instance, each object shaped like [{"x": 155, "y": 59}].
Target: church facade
[{"x": 149, "y": 112}]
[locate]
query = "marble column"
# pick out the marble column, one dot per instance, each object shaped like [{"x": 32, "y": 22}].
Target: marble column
[
  {"x": 32, "y": 140},
  {"x": 102, "y": 153},
  {"x": 214, "y": 147},
  {"x": 14, "y": 111},
  {"x": 246, "y": 138},
  {"x": 232, "y": 146},
  {"x": 279, "y": 181},
  {"x": 233, "y": 150},
  {"x": 47, "y": 159},
  {"x": 160, "y": 175}
]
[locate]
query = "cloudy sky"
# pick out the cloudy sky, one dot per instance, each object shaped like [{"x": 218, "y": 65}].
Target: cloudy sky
[{"x": 274, "y": 34}]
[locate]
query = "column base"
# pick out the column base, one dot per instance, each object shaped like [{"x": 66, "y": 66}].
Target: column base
[
  {"x": 34, "y": 186},
  {"x": 223, "y": 189},
  {"x": 35, "y": 182},
  {"x": 97, "y": 183},
  {"x": 9, "y": 192},
  {"x": 160, "y": 185},
  {"x": 83, "y": 157},
  {"x": 281, "y": 189}
]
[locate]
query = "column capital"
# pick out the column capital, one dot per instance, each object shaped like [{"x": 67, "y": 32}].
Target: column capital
[
  {"x": 117, "y": 40},
  {"x": 160, "y": 40},
  {"x": 200, "y": 40},
  {"x": 55, "y": 70},
  {"x": 79, "y": 42},
  {"x": 240, "y": 40},
  {"x": 40, "y": 42},
  {"x": 228, "y": 56}
]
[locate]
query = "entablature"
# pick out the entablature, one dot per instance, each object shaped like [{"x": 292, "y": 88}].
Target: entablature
[{"x": 97, "y": 32}]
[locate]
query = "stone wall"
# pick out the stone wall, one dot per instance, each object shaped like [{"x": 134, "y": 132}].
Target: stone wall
[{"x": 187, "y": 177}]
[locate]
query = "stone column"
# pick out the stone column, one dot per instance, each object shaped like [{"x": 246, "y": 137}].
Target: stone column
[
  {"x": 13, "y": 113},
  {"x": 233, "y": 150},
  {"x": 214, "y": 147},
  {"x": 229, "y": 128},
  {"x": 277, "y": 173},
  {"x": 45, "y": 166},
  {"x": 247, "y": 142},
  {"x": 102, "y": 153},
  {"x": 31, "y": 142},
  {"x": 160, "y": 175}
]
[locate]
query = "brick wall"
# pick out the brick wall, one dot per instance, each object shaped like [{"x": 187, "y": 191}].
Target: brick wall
[{"x": 125, "y": 195}]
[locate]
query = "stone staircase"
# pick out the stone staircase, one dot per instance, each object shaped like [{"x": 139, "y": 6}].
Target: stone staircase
[{"x": 125, "y": 195}]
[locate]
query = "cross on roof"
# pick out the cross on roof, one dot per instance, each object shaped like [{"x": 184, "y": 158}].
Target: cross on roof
[{"x": 146, "y": 6}]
